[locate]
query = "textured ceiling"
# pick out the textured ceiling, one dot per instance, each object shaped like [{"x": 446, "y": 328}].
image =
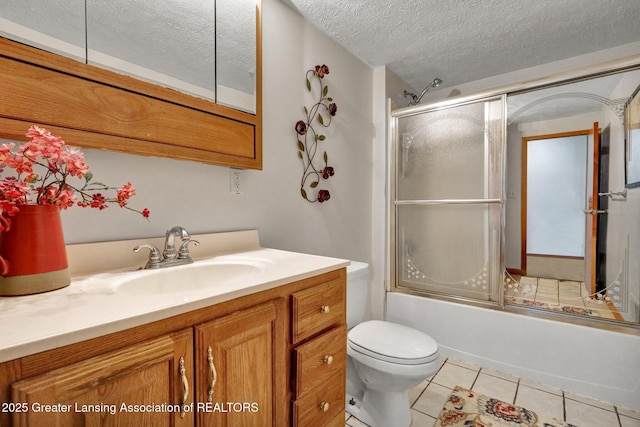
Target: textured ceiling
[{"x": 466, "y": 40}]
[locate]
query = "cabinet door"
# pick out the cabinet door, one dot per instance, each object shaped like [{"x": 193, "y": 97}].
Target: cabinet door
[
  {"x": 241, "y": 366},
  {"x": 56, "y": 26},
  {"x": 236, "y": 53},
  {"x": 142, "y": 385},
  {"x": 166, "y": 42}
]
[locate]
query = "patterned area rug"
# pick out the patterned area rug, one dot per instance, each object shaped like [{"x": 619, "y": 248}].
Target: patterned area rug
[{"x": 466, "y": 408}]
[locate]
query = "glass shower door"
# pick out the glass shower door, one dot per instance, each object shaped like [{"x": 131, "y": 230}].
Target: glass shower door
[{"x": 447, "y": 202}]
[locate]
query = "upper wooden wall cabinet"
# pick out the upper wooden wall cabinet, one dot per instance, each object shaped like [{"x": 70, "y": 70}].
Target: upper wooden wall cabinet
[{"x": 93, "y": 107}]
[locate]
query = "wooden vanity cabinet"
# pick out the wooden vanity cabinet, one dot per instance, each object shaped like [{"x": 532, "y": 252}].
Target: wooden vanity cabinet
[
  {"x": 319, "y": 334},
  {"x": 236, "y": 383},
  {"x": 273, "y": 358},
  {"x": 107, "y": 390}
]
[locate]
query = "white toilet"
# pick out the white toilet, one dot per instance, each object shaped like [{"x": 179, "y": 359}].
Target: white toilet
[{"x": 385, "y": 360}]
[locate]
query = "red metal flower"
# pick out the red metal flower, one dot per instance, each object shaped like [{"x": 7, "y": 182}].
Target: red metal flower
[
  {"x": 321, "y": 70},
  {"x": 301, "y": 127},
  {"x": 323, "y": 195},
  {"x": 327, "y": 172}
]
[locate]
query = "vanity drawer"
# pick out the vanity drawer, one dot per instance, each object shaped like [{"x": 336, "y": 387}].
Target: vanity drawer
[
  {"x": 319, "y": 358},
  {"x": 337, "y": 421},
  {"x": 318, "y": 308},
  {"x": 321, "y": 405}
]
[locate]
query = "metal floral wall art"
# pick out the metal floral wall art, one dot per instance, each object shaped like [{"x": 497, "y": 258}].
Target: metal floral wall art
[{"x": 309, "y": 139}]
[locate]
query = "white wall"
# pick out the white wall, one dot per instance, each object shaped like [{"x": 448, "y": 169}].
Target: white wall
[
  {"x": 197, "y": 196},
  {"x": 395, "y": 88},
  {"x": 378, "y": 267}
]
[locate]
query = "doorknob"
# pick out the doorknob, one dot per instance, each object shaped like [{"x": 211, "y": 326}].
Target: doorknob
[{"x": 595, "y": 211}]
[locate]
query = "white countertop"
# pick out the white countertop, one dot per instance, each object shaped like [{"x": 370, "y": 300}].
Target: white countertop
[{"x": 94, "y": 305}]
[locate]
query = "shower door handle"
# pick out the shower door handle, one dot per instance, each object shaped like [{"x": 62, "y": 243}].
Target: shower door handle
[{"x": 596, "y": 211}]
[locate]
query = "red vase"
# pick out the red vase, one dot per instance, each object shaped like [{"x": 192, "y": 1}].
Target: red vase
[{"x": 33, "y": 257}]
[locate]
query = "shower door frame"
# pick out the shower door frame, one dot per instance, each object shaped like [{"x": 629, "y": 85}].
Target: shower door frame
[
  {"x": 560, "y": 78},
  {"x": 393, "y": 203}
]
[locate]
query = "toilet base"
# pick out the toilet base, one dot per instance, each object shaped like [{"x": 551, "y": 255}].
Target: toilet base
[{"x": 381, "y": 409}]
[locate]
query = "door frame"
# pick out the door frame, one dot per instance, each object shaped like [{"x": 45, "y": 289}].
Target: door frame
[{"x": 592, "y": 200}]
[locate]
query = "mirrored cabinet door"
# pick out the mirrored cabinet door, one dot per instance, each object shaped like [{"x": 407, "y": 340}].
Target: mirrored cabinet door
[
  {"x": 55, "y": 26},
  {"x": 236, "y": 54},
  {"x": 143, "y": 76},
  {"x": 205, "y": 48},
  {"x": 171, "y": 43}
]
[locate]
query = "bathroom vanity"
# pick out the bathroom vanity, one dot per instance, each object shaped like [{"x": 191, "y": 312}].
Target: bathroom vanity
[{"x": 264, "y": 344}]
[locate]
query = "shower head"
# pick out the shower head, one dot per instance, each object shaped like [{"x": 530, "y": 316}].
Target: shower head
[{"x": 415, "y": 99}]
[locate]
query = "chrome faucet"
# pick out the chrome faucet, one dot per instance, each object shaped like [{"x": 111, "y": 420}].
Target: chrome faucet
[
  {"x": 170, "y": 252},
  {"x": 170, "y": 257}
]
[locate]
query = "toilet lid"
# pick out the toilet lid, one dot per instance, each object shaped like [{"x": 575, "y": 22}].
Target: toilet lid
[{"x": 393, "y": 343}]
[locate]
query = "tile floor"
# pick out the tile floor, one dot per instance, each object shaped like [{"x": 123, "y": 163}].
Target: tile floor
[
  {"x": 559, "y": 295},
  {"x": 428, "y": 398}
]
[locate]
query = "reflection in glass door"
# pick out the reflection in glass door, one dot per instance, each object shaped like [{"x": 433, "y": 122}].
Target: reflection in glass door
[
  {"x": 555, "y": 184},
  {"x": 447, "y": 201}
]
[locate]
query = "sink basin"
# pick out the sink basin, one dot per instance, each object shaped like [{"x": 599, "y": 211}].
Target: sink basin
[{"x": 191, "y": 277}]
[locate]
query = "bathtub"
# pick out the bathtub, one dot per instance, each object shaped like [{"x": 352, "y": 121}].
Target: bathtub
[{"x": 593, "y": 362}]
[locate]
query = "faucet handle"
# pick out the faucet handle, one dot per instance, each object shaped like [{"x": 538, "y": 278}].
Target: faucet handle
[
  {"x": 183, "y": 252},
  {"x": 154, "y": 255}
]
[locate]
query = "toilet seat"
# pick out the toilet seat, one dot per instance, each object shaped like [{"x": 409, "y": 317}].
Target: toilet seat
[{"x": 393, "y": 343}]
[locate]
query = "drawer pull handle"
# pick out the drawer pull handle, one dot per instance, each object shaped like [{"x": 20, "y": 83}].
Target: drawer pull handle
[
  {"x": 324, "y": 309},
  {"x": 328, "y": 359},
  {"x": 214, "y": 374},
  {"x": 324, "y": 406},
  {"x": 185, "y": 387}
]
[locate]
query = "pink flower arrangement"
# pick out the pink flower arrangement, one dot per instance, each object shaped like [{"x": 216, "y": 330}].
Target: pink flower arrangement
[{"x": 60, "y": 163}]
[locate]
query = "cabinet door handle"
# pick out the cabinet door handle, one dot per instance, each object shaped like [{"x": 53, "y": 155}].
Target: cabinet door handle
[
  {"x": 214, "y": 374},
  {"x": 324, "y": 309},
  {"x": 328, "y": 359},
  {"x": 324, "y": 406},
  {"x": 185, "y": 387}
]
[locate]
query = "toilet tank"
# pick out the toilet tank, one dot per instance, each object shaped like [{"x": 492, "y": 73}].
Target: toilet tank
[{"x": 357, "y": 291}]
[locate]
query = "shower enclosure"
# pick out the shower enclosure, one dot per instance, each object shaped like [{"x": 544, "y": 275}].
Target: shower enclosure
[
  {"x": 447, "y": 193},
  {"x": 467, "y": 221},
  {"x": 457, "y": 220}
]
